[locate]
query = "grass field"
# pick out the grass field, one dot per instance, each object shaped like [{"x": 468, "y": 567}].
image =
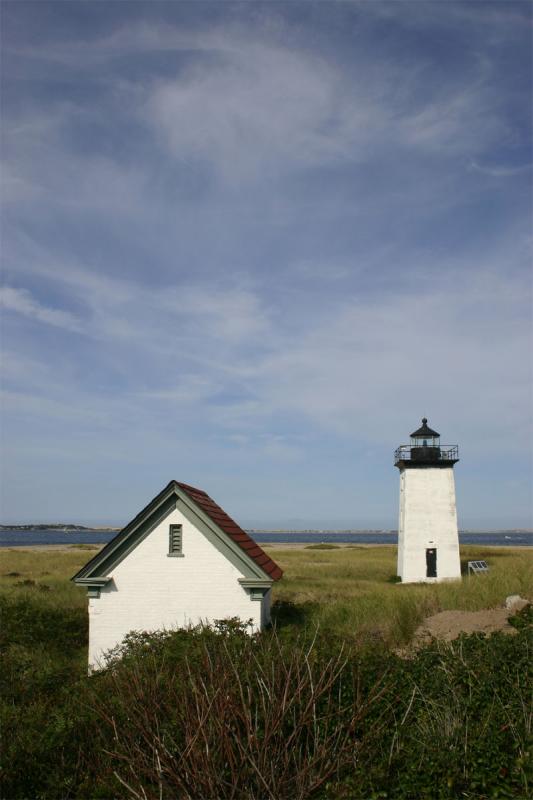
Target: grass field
[
  {"x": 350, "y": 590},
  {"x": 324, "y": 707},
  {"x": 353, "y": 590}
]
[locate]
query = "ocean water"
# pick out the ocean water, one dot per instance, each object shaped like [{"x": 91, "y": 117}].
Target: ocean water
[{"x": 13, "y": 538}]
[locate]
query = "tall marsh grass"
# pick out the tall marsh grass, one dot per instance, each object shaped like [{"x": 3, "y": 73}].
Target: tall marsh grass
[
  {"x": 30, "y": 571},
  {"x": 354, "y": 592},
  {"x": 351, "y": 591},
  {"x": 301, "y": 711}
]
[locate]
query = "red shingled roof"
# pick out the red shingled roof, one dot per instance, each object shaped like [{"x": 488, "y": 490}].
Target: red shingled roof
[{"x": 230, "y": 527}]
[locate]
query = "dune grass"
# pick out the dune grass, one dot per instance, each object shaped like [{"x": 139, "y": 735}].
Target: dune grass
[
  {"x": 354, "y": 591},
  {"x": 48, "y": 572},
  {"x": 350, "y": 590},
  {"x": 461, "y": 709}
]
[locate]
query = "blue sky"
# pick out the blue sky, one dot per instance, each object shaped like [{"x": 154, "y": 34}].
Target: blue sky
[{"x": 249, "y": 245}]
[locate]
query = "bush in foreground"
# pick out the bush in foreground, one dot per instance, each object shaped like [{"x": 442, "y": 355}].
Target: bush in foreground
[
  {"x": 218, "y": 714},
  {"x": 211, "y": 715}
]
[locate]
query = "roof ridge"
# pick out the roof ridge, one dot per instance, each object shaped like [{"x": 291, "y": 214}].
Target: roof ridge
[
  {"x": 211, "y": 509},
  {"x": 226, "y": 524},
  {"x": 190, "y": 488}
]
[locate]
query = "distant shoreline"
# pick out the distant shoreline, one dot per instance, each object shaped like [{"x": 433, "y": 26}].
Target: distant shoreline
[
  {"x": 271, "y": 545},
  {"x": 58, "y": 527},
  {"x": 381, "y": 532},
  {"x": 71, "y": 528}
]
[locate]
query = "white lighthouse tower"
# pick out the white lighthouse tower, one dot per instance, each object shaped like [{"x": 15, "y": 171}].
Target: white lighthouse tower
[{"x": 428, "y": 539}]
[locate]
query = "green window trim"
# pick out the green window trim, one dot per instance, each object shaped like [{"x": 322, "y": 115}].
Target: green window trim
[{"x": 175, "y": 541}]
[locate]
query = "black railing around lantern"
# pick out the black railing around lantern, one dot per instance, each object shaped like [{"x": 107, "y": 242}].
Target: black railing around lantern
[{"x": 428, "y": 453}]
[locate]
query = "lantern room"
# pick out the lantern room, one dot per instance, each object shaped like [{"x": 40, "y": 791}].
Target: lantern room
[
  {"x": 425, "y": 443},
  {"x": 425, "y": 436},
  {"x": 425, "y": 448}
]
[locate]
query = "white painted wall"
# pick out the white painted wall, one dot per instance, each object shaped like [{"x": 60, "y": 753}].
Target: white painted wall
[
  {"x": 428, "y": 519},
  {"x": 152, "y": 591}
]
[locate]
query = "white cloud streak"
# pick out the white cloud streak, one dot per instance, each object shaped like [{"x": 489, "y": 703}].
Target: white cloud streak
[
  {"x": 21, "y": 301},
  {"x": 248, "y": 105},
  {"x": 210, "y": 319},
  {"x": 330, "y": 365},
  {"x": 501, "y": 171},
  {"x": 263, "y": 105}
]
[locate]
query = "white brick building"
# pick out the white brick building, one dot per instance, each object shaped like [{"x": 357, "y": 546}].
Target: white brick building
[{"x": 180, "y": 562}]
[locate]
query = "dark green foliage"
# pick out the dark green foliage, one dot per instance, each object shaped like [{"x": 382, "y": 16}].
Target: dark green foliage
[
  {"x": 27, "y": 621},
  {"x": 322, "y": 546},
  {"x": 523, "y": 618},
  {"x": 285, "y": 613},
  {"x": 255, "y": 716},
  {"x": 281, "y": 715},
  {"x": 460, "y": 722},
  {"x": 43, "y": 661},
  {"x": 84, "y": 546}
]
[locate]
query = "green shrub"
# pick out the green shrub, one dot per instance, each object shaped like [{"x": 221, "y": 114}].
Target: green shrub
[
  {"x": 523, "y": 618},
  {"x": 458, "y": 723},
  {"x": 322, "y": 546},
  {"x": 222, "y": 714},
  {"x": 26, "y": 620},
  {"x": 202, "y": 713},
  {"x": 43, "y": 672},
  {"x": 294, "y": 712}
]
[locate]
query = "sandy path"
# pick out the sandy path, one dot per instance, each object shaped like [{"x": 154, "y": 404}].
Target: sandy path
[{"x": 448, "y": 625}]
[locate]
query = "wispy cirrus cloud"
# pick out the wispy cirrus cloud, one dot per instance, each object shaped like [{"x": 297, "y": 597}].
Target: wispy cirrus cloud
[
  {"x": 242, "y": 101},
  {"x": 501, "y": 171},
  {"x": 279, "y": 241},
  {"x": 228, "y": 355},
  {"x": 258, "y": 103},
  {"x": 21, "y": 301}
]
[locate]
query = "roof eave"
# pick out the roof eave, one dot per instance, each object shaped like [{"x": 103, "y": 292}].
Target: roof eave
[
  {"x": 90, "y": 568},
  {"x": 172, "y": 493}
]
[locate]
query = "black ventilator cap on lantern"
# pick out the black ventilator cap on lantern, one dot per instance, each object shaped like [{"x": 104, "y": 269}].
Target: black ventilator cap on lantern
[{"x": 424, "y": 432}]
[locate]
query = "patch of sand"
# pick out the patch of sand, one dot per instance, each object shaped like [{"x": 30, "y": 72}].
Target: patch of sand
[{"x": 448, "y": 625}]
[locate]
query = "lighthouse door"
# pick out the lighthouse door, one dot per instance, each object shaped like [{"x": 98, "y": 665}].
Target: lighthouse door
[{"x": 431, "y": 562}]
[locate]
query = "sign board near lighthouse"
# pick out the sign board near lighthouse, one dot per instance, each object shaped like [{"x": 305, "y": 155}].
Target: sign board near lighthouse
[{"x": 428, "y": 539}]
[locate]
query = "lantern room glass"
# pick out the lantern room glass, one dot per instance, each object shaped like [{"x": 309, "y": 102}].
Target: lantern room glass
[{"x": 425, "y": 441}]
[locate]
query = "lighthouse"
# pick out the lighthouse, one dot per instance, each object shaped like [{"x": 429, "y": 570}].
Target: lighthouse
[{"x": 428, "y": 539}]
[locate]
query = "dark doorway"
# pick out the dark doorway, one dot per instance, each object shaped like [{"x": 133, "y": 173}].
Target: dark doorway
[{"x": 431, "y": 562}]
